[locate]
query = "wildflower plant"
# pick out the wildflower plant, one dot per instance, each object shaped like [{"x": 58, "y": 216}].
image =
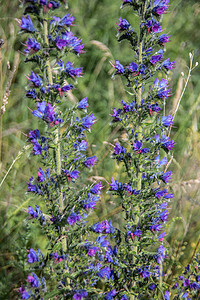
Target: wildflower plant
[
  {"x": 62, "y": 201},
  {"x": 83, "y": 260}
]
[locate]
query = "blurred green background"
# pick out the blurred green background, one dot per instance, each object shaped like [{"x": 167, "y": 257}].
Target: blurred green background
[{"x": 96, "y": 25}]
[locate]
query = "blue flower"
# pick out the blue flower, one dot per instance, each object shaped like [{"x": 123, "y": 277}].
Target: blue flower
[
  {"x": 34, "y": 280},
  {"x": 35, "y": 79},
  {"x": 120, "y": 69},
  {"x": 80, "y": 295},
  {"x": 73, "y": 218},
  {"x": 32, "y": 256},
  {"x": 83, "y": 103},
  {"x": 123, "y": 24},
  {"x": 96, "y": 189},
  {"x": 167, "y": 121},
  {"x": 27, "y": 25},
  {"x": 156, "y": 58}
]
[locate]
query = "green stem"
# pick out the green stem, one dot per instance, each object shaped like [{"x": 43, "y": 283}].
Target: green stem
[
  {"x": 139, "y": 99},
  {"x": 57, "y": 139}
]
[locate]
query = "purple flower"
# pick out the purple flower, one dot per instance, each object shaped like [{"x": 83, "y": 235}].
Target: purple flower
[
  {"x": 34, "y": 280},
  {"x": 32, "y": 257},
  {"x": 162, "y": 88},
  {"x": 53, "y": 5},
  {"x": 34, "y": 136},
  {"x": 67, "y": 20},
  {"x": 166, "y": 176},
  {"x": 90, "y": 202},
  {"x": 163, "y": 39},
  {"x": 166, "y": 144},
  {"x": 35, "y": 79},
  {"x": 24, "y": 293},
  {"x": 133, "y": 67},
  {"x": 111, "y": 294},
  {"x": 80, "y": 295},
  {"x": 145, "y": 272},
  {"x": 167, "y": 121},
  {"x": 168, "y": 65},
  {"x": 27, "y": 25},
  {"x": 96, "y": 189},
  {"x": 31, "y": 94},
  {"x": 66, "y": 88},
  {"x": 115, "y": 115},
  {"x": 73, "y": 174},
  {"x": 153, "y": 26},
  {"x": 92, "y": 251},
  {"x": 103, "y": 227},
  {"x": 101, "y": 240},
  {"x": 167, "y": 295},
  {"x": 68, "y": 68},
  {"x": 123, "y": 24},
  {"x": 156, "y": 58},
  {"x": 45, "y": 111},
  {"x": 152, "y": 287},
  {"x": 90, "y": 161},
  {"x": 32, "y": 46},
  {"x": 160, "y": 7},
  {"x": 116, "y": 186},
  {"x": 83, "y": 103},
  {"x": 70, "y": 41},
  {"x": 81, "y": 146},
  {"x": 105, "y": 272},
  {"x": 33, "y": 213},
  {"x": 120, "y": 69},
  {"x": 119, "y": 149},
  {"x": 73, "y": 218},
  {"x": 161, "y": 254},
  {"x": 88, "y": 121}
]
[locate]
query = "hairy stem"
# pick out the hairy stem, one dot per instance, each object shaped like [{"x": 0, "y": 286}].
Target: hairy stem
[{"x": 57, "y": 139}]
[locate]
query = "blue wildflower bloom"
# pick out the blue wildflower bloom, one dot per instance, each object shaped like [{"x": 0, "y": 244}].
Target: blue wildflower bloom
[
  {"x": 133, "y": 68},
  {"x": 83, "y": 103},
  {"x": 32, "y": 256},
  {"x": 103, "y": 227},
  {"x": 88, "y": 121},
  {"x": 31, "y": 94},
  {"x": 115, "y": 185},
  {"x": 168, "y": 65},
  {"x": 35, "y": 79},
  {"x": 153, "y": 26},
  {"x": 33, "y": 213},
  {"x": 32, "y": 46},
  {"x": 68, "y": 69},
  {"x": 101, "y": 240},
  {"x": 80, "y": 295},
  {"x": 119, "y": 149},
  {"x": 72, "y": 42},
  {"x": 167, "y": 295},
  {"x": 116, "y": 114},
  {"x": 53, "y": 5},
  {"x": 152, "y": 287},
  {"x": 24, "y": 293},
  {"x": 34, "y": 280},
  {"x": 96, "y": 189},
  {"x": 27, "y": 25},
  {"x": 90, "y": 161},
  {"x": 111, "y": 294},
  {"x": 73, "y": 218},
  {"x": 90, "y": 202},
  {"x": 73, "y": 174},
  {"x": 67, "y": 87},
  {"x": 167, "y": 121},
  {"x": 81, "y": 146},
  {"x": 160, "y": 7},
  {"x": 105, "y": 272},
  {"x": 166, "y": 176},
  {"x": 145, "y": 272},
  {"x": 123, "y": 24},
  {"x": 92, "y": 251},
  {"x": 163, "y": 38},
  {"x": 156, "y": 58},
  {"x": 43, "y": 2},
  {"x": 120, "y": 69}
]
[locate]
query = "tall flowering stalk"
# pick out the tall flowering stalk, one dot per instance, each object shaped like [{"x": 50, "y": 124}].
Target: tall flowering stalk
[
  {"x": 62, "y": 201},
  {"x": 97, "y": 261},
  {"x": 145, "y": 154}
]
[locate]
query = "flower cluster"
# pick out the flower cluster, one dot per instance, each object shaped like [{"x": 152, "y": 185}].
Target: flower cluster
[{"x": 62, "y": 202}]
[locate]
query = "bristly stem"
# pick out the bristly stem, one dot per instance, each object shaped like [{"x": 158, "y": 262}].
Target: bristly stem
[{"x": 57, "y": 139}]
